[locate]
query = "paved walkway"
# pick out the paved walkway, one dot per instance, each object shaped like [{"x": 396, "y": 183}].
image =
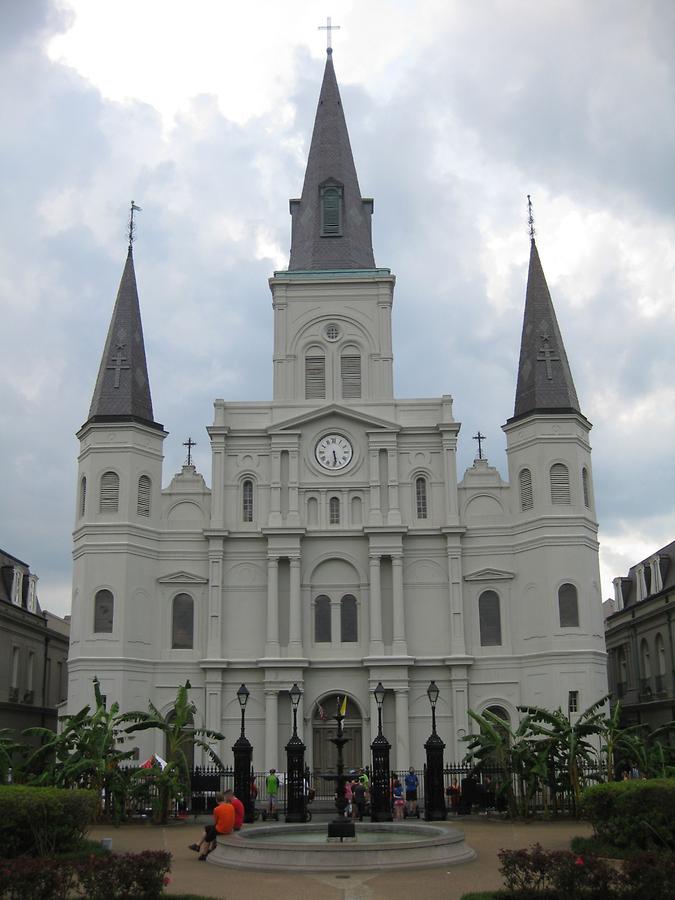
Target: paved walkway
[{"x": 188, "y": 876}]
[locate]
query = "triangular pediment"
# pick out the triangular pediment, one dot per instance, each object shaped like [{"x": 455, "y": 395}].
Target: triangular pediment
[
  {"x": 333, "y": 409},
  {"x": 489, "y": 575},
  {"x": 182, "y": 577}
]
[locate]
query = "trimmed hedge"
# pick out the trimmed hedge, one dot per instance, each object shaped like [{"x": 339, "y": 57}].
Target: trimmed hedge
[
  {"x": 108, "y": 877},
  {"x": 633, "y": 814},
  {"x": 41, "y": 821}
]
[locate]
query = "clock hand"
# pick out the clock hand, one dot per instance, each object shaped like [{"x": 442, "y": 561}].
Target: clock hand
[{"x": 335, "y": 457}]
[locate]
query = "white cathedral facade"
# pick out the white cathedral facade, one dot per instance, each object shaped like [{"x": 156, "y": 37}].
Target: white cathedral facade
[{"x": 335, "y": 546}]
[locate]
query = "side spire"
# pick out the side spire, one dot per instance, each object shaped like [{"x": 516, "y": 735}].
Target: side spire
[
  {"x": 122, "y": 391},
  {"x": 331, "y": 222},
  {"x": 545, "y": 383}
]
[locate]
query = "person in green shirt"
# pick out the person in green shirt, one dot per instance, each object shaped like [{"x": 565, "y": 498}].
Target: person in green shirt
[{"x": 272, "y": 788}]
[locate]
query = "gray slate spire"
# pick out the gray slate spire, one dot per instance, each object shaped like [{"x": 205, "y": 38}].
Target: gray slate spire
[
  {"x": 330, "y": 160},
  {"x": 122, "y": 391},
  {"x": 544, "y": 379}
]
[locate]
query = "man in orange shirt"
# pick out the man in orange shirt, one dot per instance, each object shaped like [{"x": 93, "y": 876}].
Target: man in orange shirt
[{"x": 223, "y": 823}]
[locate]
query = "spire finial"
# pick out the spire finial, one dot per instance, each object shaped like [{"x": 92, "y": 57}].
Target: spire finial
[
  {"x": 530, "y": 218},
  {"x": 189, "y": 444},
  {"x": 132, "y": 227},
  {"x": 480, "y": 438},
  {"x": 328, "y": 27}
]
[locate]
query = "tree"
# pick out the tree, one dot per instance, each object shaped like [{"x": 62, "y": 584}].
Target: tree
[{"x": 179, "y": 731}]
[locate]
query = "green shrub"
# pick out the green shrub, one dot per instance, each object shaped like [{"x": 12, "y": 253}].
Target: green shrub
[
  {"x": 40, "y": 821},
  {"x": 539, "y": 873},
  {"x": 633, "y": 814}
]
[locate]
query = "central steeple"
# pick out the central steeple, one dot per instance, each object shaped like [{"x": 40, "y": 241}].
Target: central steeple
[{"x": 331, "y": 221}]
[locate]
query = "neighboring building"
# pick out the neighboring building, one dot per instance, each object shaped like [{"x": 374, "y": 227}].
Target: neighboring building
[
  {"x": 34, "y": 645},
  {"x": 639, "y": 636},
  {"x": 335, "y": 547}
]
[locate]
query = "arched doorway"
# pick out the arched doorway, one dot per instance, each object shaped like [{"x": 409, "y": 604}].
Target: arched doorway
[{"x": 324, "y": 727}]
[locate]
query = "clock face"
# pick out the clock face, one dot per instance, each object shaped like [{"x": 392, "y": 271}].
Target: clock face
[{"x": 333, "y": 452}]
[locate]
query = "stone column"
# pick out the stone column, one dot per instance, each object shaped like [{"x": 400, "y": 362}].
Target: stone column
[
  {"x": 272, "y": 644},
  {"x": 295, "y": 623},
  {"x": 455, "y": 601},
  {"x": 335, "y": 622},
  {"x": 375, "y": 513},
  {"x": 399, "y": 646},
  {"x": 394, "y": 514},
  {"x": 214, "y": 642},
  {"x": 271, "y": 729},
  {"x": 376, "y": 644},
  {"x": 459, "y": 684},
  {"x": 275, "y": 489},
  {"x": 213, "y": 710},
  {"x": 402, "y": 729}
]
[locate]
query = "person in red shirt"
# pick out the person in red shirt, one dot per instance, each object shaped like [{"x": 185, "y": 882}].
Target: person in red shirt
[
  {"x": 223, "y": 823},
  {"x": 238, "y": 808}
]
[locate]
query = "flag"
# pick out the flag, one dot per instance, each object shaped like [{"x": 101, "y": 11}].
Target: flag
[
  {"x": 322, "y": 713},
  {"x": 343, "y": 708},
  {"x": 149, "y": 763},
  {"x": 160, "y": 762}
]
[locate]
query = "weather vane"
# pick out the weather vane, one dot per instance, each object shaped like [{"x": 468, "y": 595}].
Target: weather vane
[
  {"x": 189, "y": 444},
  {"x": 480, "y": 438},
  {"x": 530, "y": 218},
  {"x": 132, "y": 227},
  {"x": 328, "y": 27}
]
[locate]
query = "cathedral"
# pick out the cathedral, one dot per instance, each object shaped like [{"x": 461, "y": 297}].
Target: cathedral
[{"x": 335, "y": 545}]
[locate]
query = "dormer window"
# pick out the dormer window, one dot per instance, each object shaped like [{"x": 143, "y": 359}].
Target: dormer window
[{"x": 331, "y": 210}]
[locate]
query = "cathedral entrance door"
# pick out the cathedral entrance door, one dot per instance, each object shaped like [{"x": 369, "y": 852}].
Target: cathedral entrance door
[{"x": 325, "y": 753}]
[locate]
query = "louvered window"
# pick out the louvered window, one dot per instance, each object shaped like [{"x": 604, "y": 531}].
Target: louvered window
[
  {"x": 322, "y": 629},
  {"x": 182, "y": 628},
  {"x": 104, "y": 607},
  {"x": 334, "y": 510},
  {"x": 350, "y": 370},
  {"x": 83, "y": 495},
  {"x": 421, "y": 497},
  {"x": 315, "y": 378},
  {"x": 568, "y": 606},
  {"x": 247, "y": 501},
  {"x": 330, "y": 211},
  {"x": 586, "y": 487},
  {"x": 348, "y": 619},
  {"x": 560, "y": 485},
  {"x": 526, "y": 499},
  {"x": 489, "y": 619},
  {"x": 144, "y": 488},
  {"x": 110, "y": 492}
]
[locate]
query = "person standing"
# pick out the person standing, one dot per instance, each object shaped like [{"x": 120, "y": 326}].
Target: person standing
[
  {"x": 411, "y": 786},
  {"x": 272, "y": 787},
  {"x": 399, "y": 802}
]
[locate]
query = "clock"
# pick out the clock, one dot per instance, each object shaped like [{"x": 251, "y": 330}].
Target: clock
[{"x": 333, "y": 452}]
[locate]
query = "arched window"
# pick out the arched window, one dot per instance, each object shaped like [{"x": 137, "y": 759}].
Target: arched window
[
  {"x": 585, "y": 484},
  {"x": 568, "y": 606},
  {"x": 322, "y": 629},
  {"x": 660, "y": 651},
  {"x": 623, "y": 670},
  {"x": 109, "y": 498},
  {"x": 312, "y": 512},
  {"x": 645, "y": 659},
  {"x": 421, "y": 498},
  {"x": 526, "y": 497},
  {"x": 348, "y": 619},
  {"x": 331, "y": 210},
  {"x": 315, "y": 376},
  {"x": 560, "y": 485},
  {"x": 350, "y": 374},
  {"x": 104, "y": 608},
  {"x": 144, "y": 489},
  {"x": 182, "y": 622},
  {"x": 247, "y": 501},
  {"x": 489, "y": 619},
  {"x": 357, "y": 511},
  {"x": 334, "y": 511},
  {"x": 83, "y": 495}
]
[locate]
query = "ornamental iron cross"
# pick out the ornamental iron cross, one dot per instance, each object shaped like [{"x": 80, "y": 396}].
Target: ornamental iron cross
[
  {"x": 189, "y": 444},
  {"x": 328, "y": 27},
  {"x": 132, "y": 226},
  {"x": 546, "y": 354},
  {"x": 117, "y": 361},
  {"x": 480, "y": 438}
]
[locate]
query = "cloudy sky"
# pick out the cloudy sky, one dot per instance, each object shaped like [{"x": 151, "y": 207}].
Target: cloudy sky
[{"x": 202, "y": 113}]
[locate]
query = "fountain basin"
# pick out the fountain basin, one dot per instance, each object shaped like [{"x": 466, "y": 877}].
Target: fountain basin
[{"x": 378, "y": 845}]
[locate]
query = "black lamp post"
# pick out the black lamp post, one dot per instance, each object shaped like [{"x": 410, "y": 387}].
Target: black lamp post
[
  {"x": 296, "y": 809},
  {"x": 434, "y": 798},
  {"x": 243, "y": 753},
  {"x": 380, "y": 802}
]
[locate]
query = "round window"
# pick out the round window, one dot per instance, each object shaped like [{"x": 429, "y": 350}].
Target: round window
[{"x": 332, "y": 332}]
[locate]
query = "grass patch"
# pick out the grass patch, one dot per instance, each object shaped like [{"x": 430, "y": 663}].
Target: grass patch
[{"x": 595, "y": 846}]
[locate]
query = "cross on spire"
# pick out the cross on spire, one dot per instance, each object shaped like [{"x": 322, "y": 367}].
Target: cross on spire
[
  {"x": 132, "y": 227},
  {"x": 328, "y": 28},
  {"x": 480, "y": 438},
  {"x": 546, "y": 354},
  {"x": 117, "y": 361},
  {"x": 530, "y": 218},
  {"x": 189, "y": 444}
]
